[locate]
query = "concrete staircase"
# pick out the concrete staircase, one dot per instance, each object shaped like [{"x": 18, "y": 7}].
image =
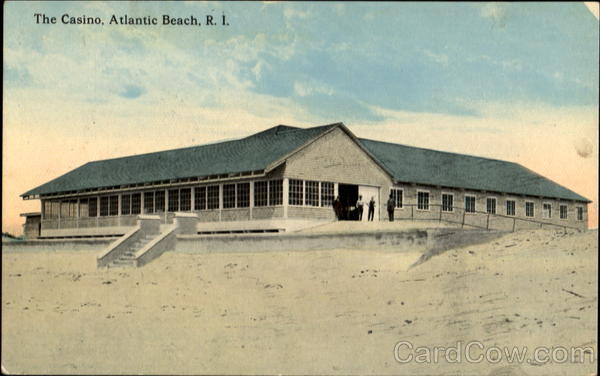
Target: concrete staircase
[
  {"x": 127, "y": 258},
  {"x": 147, "y": 241}
]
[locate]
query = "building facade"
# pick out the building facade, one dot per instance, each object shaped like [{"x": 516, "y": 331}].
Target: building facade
[{"x": 287, "y": 173}]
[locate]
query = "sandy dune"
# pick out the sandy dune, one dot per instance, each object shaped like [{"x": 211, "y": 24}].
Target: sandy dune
[{"x": 332, "y": 312}]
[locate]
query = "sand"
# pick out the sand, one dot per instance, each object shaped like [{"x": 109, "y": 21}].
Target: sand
[{"x": 322, "y": 312}]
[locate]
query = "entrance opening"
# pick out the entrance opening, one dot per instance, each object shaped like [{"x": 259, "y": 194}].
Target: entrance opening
[{"x": 348, "y": 196}]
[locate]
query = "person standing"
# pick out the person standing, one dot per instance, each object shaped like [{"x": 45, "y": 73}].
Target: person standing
[
  {"x": 371, "y": 209},
  {"x": 337, "y": 208},
  {"x": 360, "y": 207},
  {"x": 391, "y": 205}
]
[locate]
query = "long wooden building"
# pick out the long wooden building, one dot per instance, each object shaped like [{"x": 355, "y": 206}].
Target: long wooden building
[{"x": 287, "y": 173}]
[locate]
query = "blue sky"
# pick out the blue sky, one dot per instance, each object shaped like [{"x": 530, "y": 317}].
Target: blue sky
[
  {"x": 331, "y": 58},
  {"x": 515, "y": 81}
]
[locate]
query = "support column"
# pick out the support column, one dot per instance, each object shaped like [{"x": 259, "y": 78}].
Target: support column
[
  {"x": 119, "y": 206},
  {"x": 251, "y": 201},
  {"x": 142, "y": 209},
  {"x": 77, "y": 213},
  {"x": 193, "y": 199},
  {"x": 59, "y": 212},
  {"x": 286, "y": 196},
  {"x": 220, "y": 202}
]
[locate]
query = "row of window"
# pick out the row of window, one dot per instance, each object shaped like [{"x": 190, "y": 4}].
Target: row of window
[
  {"x": 311, "y": 193},
  {"x": 470, "y": 202},
  {"x": 266, "y": 193}
]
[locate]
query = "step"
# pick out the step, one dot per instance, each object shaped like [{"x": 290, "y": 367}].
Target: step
[{"x": 120, "y": 262}]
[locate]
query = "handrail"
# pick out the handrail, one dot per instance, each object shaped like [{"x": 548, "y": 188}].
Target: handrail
[{"x": 464, "y": 212}]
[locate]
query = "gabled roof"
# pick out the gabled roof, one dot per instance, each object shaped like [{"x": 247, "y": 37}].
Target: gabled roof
[
  {"x": 431, "y": 167},
  {"x": 252, "y": 153},
  {"x": 271, "y": 147}
]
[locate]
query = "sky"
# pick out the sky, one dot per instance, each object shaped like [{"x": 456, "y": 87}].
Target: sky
[{"x": 512, "y": 81}]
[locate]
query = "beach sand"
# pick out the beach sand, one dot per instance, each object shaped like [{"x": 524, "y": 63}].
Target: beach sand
[{"x": 319, "y": 312}]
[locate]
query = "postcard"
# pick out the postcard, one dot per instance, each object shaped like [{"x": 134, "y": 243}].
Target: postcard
[{"x": 300, "y": 188}]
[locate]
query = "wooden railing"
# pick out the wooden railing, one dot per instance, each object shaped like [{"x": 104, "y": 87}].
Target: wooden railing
[{"x": 461, "y": 212}]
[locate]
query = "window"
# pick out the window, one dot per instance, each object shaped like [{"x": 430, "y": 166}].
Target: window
[
  {"x": 136, "y": 202},
  {"x": 200, "y": 198},
  {"x": 398, "y": 196},
  {"x": 93, "y": 209},
  {"x": 114, "y": 205},
  {"x": 104, "y": 206},
  {"x": 149, "y": 202},
  {"x": 173, "y": 200},
  {"x": 422, "y": 200},
  {"x": 547, "y": 210},
  {"x": 260, "y": 193},
  {"x": 510, "y": 207},
  {"x": 185, "y": 199},
  {"x": 529, "y": 209},
  {"x": 326, "y": 194},
  {"x": 125, "y": 204},
  {"x": 84, "y": 207},
  {"x": 64, "y": 209},
  {"x": 275, "y": 192},
  {"x": 56, "y": 208},
  {"x": 243, "y": 195},
  {"x": 229, "y": 196},
  {"x": 564, "y": 212},
  {"x": 73, "y": 208},
  {"x": 212, "y": 197},
  {"x": 447, "y": 202},
  {"x": 491, "y": 205},
  {"x": 296, "y": 192},
  {"x": 159, "y": 201},
  {"x": 470, "y": 204},
  {"x": 312, "y": 193},
  {"x": 48, "y": 213},
  {"x": 579, "y": 213}
]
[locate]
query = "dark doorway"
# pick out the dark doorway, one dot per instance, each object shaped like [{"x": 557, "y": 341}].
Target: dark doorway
[{"x": 348, "y": 196}]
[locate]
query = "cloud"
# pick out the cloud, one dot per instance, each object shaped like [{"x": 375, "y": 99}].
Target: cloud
[
  {"x": 437, "y": 57},
  {"x": 493, "y": 11},
  {"x": 132, "y": 91},
  {"x": 310, "y": 87}
]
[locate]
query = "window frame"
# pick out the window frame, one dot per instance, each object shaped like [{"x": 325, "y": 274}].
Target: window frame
[
  {"x": 514, "y": 207},
  {"x": 474, "y": 197},
  {"x": 544, "y": 210},
  {"x": 428, "y": 208},
  {"x": 298, "y": 191},
  {"x": 560, "y": 212},
  {"x": 487, "y": 207},
  {"x": 229, "y": 196},
  {"x": 399, "y": 203},
  {"x": 324, "y": 194},
  {"x": 451, "y": 195},
  {"x": 532, "y": 209},
  {"x": 311, "y": 193}
]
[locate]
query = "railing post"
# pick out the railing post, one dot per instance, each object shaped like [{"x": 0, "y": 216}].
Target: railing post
[
  {"x": 412, "y": 213},
  {"x": 514, "y": 224},
  {"x": 440, "y": 213},
  {"x": 463, "y": 219},
  {"x": 487, "y": 225}
]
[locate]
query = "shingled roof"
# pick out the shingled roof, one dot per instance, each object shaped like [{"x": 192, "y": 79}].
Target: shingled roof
[
  {"x": 258, "y": 151},
  {"x": 431, "y": 167}
]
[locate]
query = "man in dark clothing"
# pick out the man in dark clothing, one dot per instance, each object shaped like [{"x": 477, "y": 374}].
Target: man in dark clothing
[
  {"x": 371, "y": 208},
  {"x": 391, "y": 204},
  {"x": 337, "y": 208}
]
